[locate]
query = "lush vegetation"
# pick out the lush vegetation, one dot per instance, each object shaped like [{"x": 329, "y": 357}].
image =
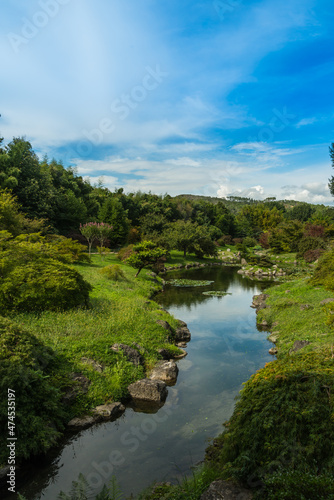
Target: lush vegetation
[{"x": 63, "y": 306}]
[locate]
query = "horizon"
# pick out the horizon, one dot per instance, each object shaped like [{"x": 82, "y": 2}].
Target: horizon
[{"x": 218, "y": 97}]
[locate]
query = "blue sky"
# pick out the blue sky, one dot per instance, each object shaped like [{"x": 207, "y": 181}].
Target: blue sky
[{"x": 218, "y": 97}]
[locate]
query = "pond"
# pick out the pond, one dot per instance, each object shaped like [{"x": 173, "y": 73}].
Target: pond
[{"x": 139, "y": 448}]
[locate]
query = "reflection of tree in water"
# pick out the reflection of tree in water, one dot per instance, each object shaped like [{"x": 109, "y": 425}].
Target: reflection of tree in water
[{"x": 223, "y": 278}]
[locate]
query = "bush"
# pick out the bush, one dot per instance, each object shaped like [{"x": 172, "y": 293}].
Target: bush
[
  {"x": 113, "y": 272},
  {"x": 226, "y": 239},
  {"x": 249, "y": 241},
  {"x": 298, "y": 484},
  {"x": 313, "y": 255},
  {"x": 43, "y": 285},
  {"x": 125, "y": 253},
  {"x": 324, "y": 271},
  {"x": 309, "y": 243},
  {"x": 283, "y": 419},
  {"x": 26, "y": 367},
  {"x": 264, "y": 240}
]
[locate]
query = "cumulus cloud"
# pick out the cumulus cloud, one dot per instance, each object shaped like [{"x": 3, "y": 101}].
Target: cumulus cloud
[{"x": 313, "y": 192}]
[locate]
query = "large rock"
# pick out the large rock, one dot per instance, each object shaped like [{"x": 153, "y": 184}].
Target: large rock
[
  {"x": 225, "y": 490},
  {"x": 154, "y": 391},
  {"x": 166, "y": 371},
  {"x": 130, "y": 353},
  {"x": 259, "y": 300},
  {"x": 182, "y": 334},
  {"x": 326, "y": 301},
  {"x": 100, "y": 413}
]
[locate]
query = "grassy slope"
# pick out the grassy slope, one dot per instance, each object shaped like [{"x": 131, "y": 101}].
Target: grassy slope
[{"x": 120, "y": 312}]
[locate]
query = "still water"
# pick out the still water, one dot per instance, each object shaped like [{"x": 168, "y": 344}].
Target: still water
[{"x": 139, "y": 448}]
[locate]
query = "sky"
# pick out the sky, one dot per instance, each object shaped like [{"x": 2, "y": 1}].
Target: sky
[{"x": 216, "y": 98}]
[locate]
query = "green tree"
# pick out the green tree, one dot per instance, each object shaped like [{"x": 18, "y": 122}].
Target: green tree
[
  {"x": 90, "y": 232},
  {"x": 146, "y": 254},
  {"x": 113, "y": 213}
]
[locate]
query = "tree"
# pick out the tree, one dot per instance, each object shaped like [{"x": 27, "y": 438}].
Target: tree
[
  {"x": 182, "y": 234},
  {"x": 113, "y": 213},
  {"x": 89, "y": 231},
  {"x": 146, "y": 254}
]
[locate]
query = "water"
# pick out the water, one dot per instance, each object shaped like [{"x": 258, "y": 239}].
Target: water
[{"x": 140, "y": 448}]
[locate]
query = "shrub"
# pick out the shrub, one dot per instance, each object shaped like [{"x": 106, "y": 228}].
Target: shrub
[
  {"x": 324, "y": 271},
  {"x": 113, "y": 272},
  {"x": 249, "y": 241},
  {"x": 309, "y": 243},
  {"x": 313, "y": 255},
  {"x": 237, "y": 241},
  {"x": 264, "y": 240},
  {"x": 226, "y": 239},
  {"x": 125, "y": 253},
  {"x": 26, "y": 367},
  {"x": 43, "y": 285}
]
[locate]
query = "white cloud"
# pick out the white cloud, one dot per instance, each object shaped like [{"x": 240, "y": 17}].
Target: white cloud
[{"x": 306, "y": 121}]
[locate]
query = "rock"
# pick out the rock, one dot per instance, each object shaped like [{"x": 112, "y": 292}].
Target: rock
[
  {"x": 80, "y": 422},
  {"x": 182, "y": 323},
  {"x": 273, "y": 338},
  {"x": 130, "y": 353},
  {"x": 228, "y": 250},
  {"x": 225, "y": 490},
  {"x": 259, "y": 300},
  {"x": 326, "y": 301},
  {"x": 304, "y": 307},
  {"x": 108, "y": 411},
  {"x": 273, "y": 351},
  {"x": 165, "y": 325},
  {"x": 80, "y": 386},
  {"x": 165, "y": 354},
  {"x": 183, "y": 355},
  {"x": 182, "y": 334},
  {"x": 96, "y": 366},
  {"x": 287, "y": 291},
  {"x": 181, "y": 344},
  {"x": 166, "y": 371},
  {"x": 146, "y": 389},
  {"x": 4, "y": 471},
  {"x": 299, "y": 344},
  {"x": 103, "y": 412},
  {"x": 244, "y": 262}
]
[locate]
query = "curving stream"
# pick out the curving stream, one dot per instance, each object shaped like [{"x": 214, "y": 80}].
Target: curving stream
[{"x": 139, "y": 448}]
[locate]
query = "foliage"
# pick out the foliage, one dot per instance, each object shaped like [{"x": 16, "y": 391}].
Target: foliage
[
  {"x": 286, "y": 236},
  {"x": 26, "y": 366},
  {"x": 249, "y": 241},
  {"x": 113, "y": 214},
  {"x": 324, "y": 271},
  {"x": 284, "y": 418},
  {"x": 12, "y": 220},
  {"x": 193, "y": 238},
  {"x": 146, "y": 254},
  {"x": 313, "y": 255},
  {"x": 43, "y": 285},
  {"x": 113, "y": 272},
  {"x": 125, "y": 252},
  {"x": 297, "y": 484},
  {"x": 308, "y": 243},
  {"x": 302, "y": 212},
  {"x": 90, "y": 232},
  {"x": 82, "y": 491}
]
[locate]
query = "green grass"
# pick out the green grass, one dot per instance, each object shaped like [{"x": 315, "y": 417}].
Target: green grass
[
  {"x": 120, "y": 312},
  {"x": 286, "y": 304}
]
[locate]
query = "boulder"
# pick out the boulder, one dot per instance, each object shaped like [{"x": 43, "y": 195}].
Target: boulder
[
  {"x": 273, "y": 351},
  {"x": 165, "y": 325},
  {"x": 182, "y": 334},
  {"x": 299, "y": 344},
  {"x": 273, "y": 338},
  {"x": 100, "y": 413},
  {"x": 259, "y": 300},
  {"x": 165, "y": 354},
  {"x": 108, "y": 411},
  {"x": 130, "y": 353},
  {"x": 166, "y": 371},
  {"x": 304, "y": 307},
  {"x": 154, "y": 391},
  {"x": 226, "y": 490}
]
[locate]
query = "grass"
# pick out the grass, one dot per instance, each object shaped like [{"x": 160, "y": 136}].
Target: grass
[
  {"x": 296, "y": 308},
  {"x": 120, "y": 312}
]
